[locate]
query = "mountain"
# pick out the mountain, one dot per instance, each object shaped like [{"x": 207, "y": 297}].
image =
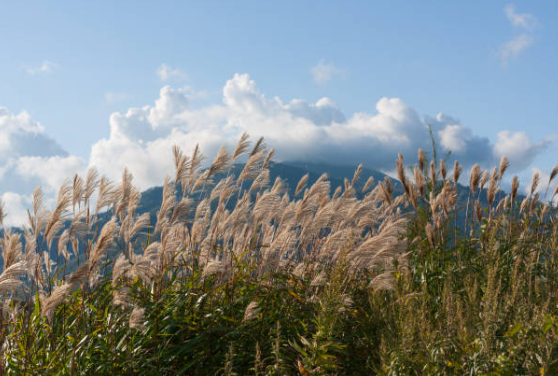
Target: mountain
[{"x": 291, "y": 173}]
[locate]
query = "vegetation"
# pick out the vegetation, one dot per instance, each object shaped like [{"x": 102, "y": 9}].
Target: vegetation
[{"x": 235, "y": 277}]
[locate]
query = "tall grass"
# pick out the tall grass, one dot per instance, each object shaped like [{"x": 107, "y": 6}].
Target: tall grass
[{"x": 237, "y": 277}]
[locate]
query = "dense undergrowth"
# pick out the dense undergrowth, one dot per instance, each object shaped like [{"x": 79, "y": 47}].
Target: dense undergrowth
[{"x": 245, "y": 280}]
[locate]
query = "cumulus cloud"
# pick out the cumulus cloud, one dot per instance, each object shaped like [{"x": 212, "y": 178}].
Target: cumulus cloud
[
  {"x": 16, "y": 205},
  {"x": 167, "y": 73},
  {"x": 29, "y": 157},
  {"x": 518, "y": 148},
  {"x": 45, "y": 67},
  {"x": 141, "y": 138},
  {"x": 323, "y": 72},
  {"x": 51, "y": 171}
]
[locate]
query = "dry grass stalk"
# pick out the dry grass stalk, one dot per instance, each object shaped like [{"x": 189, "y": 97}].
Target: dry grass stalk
[
  {"x": 301, "y": 184},
  {"x": 504, "y": 164},
  {"x": 475, "y": 178},
  {"x": 421, "y": 160},
  {"x": 535, "y": 182},
  {"x": 137, "y": 318},
  {"x": 456, "y": 172},
  {"x": 252, "y": 311},
  {"x": 514, "y": 188},
  {"x": 241, "y": 146}
]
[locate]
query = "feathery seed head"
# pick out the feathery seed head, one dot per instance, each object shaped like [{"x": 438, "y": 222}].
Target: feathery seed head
[
  {"x": 443, "y": 171},
  {"x": 475, "y": 178},
  {"x": 241, "y": 146},
  {"x": 301, "y": 184},
  {"x": 535, "y": 183},
  {"x": 421, "y": 160},
  {"x": 456, "y": 172},
  {"x": 137, "y": 318},
  {"x": 504, "y": 164},
  {"x": 252, "y": 311}
]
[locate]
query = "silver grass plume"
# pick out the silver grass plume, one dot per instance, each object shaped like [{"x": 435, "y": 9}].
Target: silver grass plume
[
  {"x": 484, "y": 179},
  {"x": 261, "y": 181},
  {"x": 384, "y": 281},
  {"x": 55, "y": 299},
  {"x": 241, "y": 146},
  {"x": 11, "y": 248},
  {"x": 443, "y": 171},
  {"x": 59, "y": 213},
  {"x": 137, "y": 318},
  {"x": 504, "y": 164},
  {"x": 103, "y": 243},
  {"x": 91, "y": 183},
  {"x": 301, "y": 184},
  {"x": 221, "y": 163},
  {"x": 106, "y": 193},
  {"x": 433, "y": 173},
  {"x": 358, "y": 171},
  {"x": 419, "y": 180},
  {"x": 195, "y": 163},
  {"x": 252, "y": 311},
  {"x": 252, "y": 166},
  {"x": 259, "y": 147},
  {"x": 2, "y": 213},
  {"x": 78, "y": 191},
  {"x": 475, "y": 178},
  {"x": 268, "y": 158},
  {"x": 421, "y": 159},
  {"x": 125, "y": 193},
  {"x": 181, "y": 167},
  {"x": 456, "y": 172},
  {"x": 213, "y": 267},
  {"x": 168, "y": 202},
  {"x": 369, "y": 183},
  {"x": 553, "y": 174},
  {"x": 535, "y": 183},
  {"x": 401, "y": 174}
]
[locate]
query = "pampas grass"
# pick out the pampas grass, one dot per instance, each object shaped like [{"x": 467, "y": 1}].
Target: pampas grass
[{"x": 233, "y": 274}]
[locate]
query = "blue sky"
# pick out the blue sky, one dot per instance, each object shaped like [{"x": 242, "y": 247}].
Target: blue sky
[{"x": 490, "y": 67}]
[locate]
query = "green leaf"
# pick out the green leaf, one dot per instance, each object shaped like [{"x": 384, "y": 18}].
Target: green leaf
[{"x": 513, "y": 331}]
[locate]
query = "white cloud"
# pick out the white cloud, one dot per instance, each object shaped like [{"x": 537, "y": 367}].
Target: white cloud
[
  {"x": 522, "y": 20},
  {"x": 45, "y": 67},
  {"x": 112, "y": 97},
  {"x": 192, "y": 93},
  {"x": 167, "y": 73},
  {"x": 15, "y": 208},
  {"x": 323, "y": 72},
  {"x": 518, "y": 148},
  {"x": 51, "y": 171},
  {"x": 29, "y": 157},
  {"x": 518, "y": 44},
  {"x": 514, "y": 47},
  {"x": 141, "y": 138}
]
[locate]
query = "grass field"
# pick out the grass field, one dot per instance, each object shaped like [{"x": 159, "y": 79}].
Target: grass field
[{"x": 320, "y": 283}]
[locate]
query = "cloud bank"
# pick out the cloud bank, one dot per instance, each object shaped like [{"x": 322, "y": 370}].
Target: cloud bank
[
  {"x": 141, "y": 138},
  {"x": 29, "y": 157}
]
